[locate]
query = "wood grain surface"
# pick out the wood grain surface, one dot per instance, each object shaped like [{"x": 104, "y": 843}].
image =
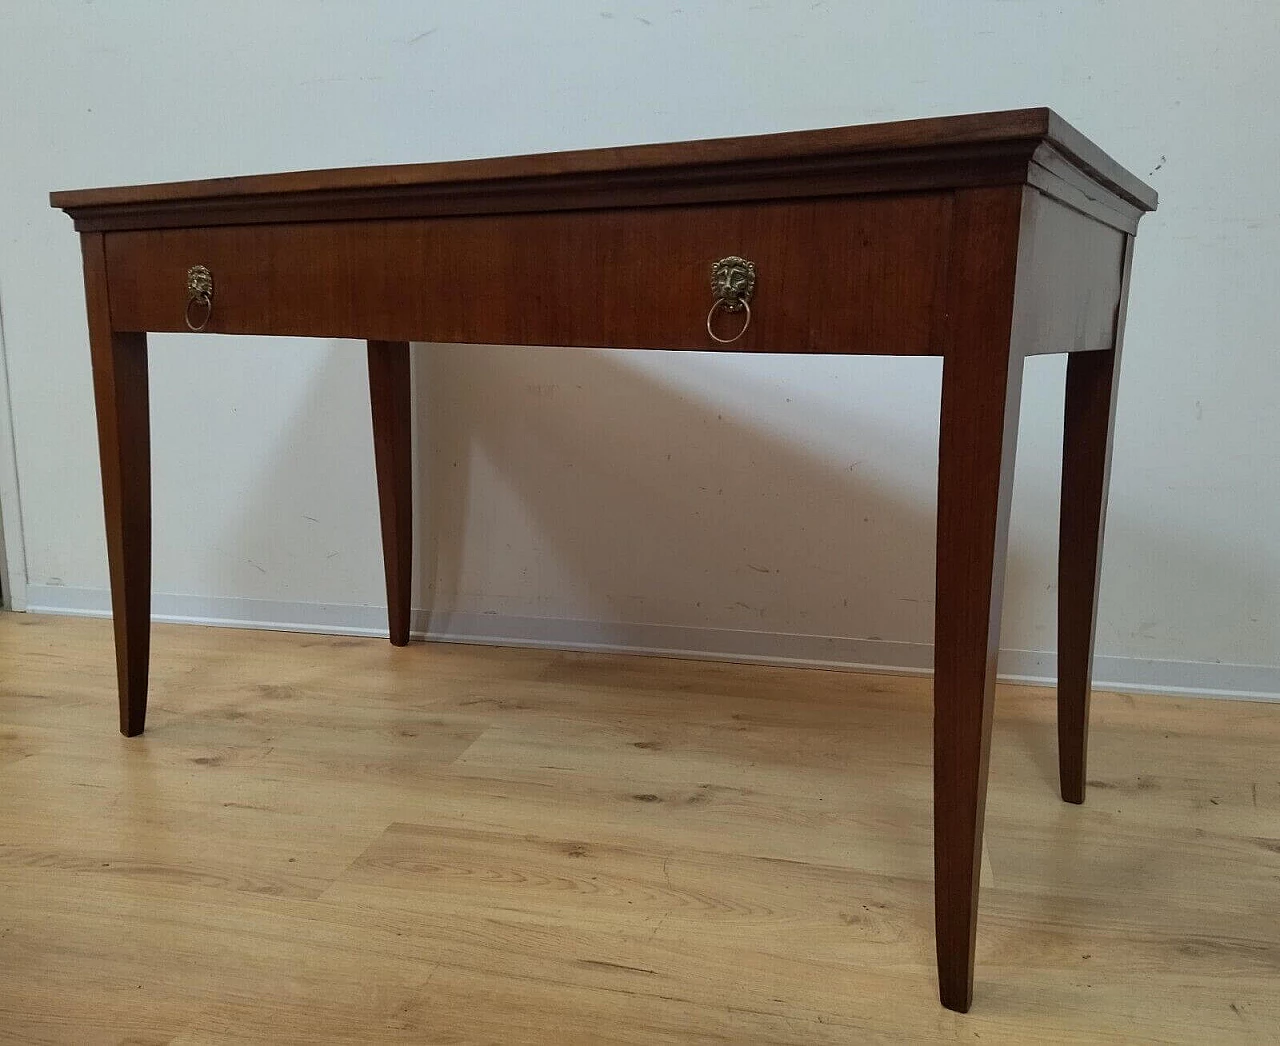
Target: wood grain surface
[
  {"x": 328, "y": 839},
  {"x": 852, "y": 274},
  {"x": 965, "y": 143}
]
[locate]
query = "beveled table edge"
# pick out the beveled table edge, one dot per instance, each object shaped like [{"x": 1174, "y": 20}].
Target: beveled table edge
[{"x": 1011, "y": 136}]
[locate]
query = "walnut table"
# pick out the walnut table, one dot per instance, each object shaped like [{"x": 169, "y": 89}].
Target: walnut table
[{"x": 979, "y": 239}]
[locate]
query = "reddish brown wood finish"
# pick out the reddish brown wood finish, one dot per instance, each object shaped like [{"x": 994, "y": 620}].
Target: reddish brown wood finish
[
  {"x": 858, "y": 274},
  {"x": 980, "y": 239},
  {"x": 1071, "y": 279},
  {"x": 945, "y": 152},
  {"x": 981, "y": 386},
  {"x": 124, "y": 447},
  {"x": 392, "y": 451},
  {"x": 1086, "y": 466}
]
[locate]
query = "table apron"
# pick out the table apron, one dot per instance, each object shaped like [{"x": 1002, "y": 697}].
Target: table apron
[{"x": 834, "y": 275}]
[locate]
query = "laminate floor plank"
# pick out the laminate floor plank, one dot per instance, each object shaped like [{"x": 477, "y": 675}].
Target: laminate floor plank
[{"x": 328, "y": 839}]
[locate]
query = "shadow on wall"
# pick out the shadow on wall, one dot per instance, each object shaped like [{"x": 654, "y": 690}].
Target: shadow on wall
[
  {"x": 631, "y": 499},
  {"x": 579, "y": 485}
]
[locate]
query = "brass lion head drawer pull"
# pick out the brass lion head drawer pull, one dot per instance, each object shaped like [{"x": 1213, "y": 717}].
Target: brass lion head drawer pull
[
  {"x": 199, "y": 297},
  {"x": 732, "y": 281}
]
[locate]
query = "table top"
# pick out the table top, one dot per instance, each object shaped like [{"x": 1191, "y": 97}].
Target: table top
[{"x": 937, "y": 152}]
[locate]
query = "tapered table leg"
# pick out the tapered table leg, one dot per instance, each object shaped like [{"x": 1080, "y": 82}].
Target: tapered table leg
[
  {"x": 124, "y": 446},
  {"x": 392, "y": 444},
  {"x": 975, "y": 472},
  {"x": 981, "y": 387},
  {"x": 1086, "y": 466}
]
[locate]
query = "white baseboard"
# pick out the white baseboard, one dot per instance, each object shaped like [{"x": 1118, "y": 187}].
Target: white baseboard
[{"x": 1133, "y": 674}]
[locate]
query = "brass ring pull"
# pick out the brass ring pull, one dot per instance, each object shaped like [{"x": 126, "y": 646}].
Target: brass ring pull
[
  {"x": 200, "y": 296},
  {"x": 206, "y": 303},
  {"x": 723, "y": 303},
  {"x": 732, "y": 281}
]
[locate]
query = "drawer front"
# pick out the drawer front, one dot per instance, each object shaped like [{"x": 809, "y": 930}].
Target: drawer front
[{"x": 857, "y": 274}]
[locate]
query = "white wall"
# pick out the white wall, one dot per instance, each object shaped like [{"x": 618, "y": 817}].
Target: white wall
[{"x": 581, "y": 495}]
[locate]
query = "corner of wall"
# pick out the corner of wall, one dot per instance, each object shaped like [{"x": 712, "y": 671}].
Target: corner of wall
[{"x": 13, "y": 560}]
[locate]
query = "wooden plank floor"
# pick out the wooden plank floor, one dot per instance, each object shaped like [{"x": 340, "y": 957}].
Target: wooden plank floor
[{"x": 332, "y": 840}]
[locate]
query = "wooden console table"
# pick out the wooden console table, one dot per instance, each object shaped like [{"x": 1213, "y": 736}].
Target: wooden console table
[{"x": 980, "y": 239}]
